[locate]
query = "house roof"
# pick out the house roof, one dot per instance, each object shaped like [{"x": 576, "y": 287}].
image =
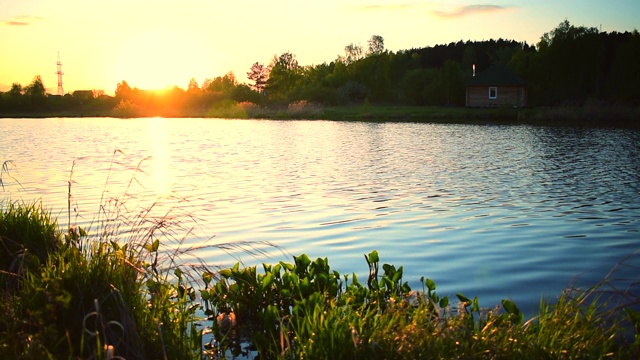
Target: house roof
[{"x": 496, "y": 75}]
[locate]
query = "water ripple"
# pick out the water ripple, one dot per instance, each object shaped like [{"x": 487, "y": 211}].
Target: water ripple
[{"x": 492, "y": 211}]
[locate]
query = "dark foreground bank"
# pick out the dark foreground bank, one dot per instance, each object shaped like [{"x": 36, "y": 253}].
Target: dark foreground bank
[{"x": 72, "y": 294}]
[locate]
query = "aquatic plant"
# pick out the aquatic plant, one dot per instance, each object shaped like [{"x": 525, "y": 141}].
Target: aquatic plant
[{"x": 304, "y": 310}]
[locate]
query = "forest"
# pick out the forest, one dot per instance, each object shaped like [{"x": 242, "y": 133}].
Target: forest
[{"x": 569, "y": 66}]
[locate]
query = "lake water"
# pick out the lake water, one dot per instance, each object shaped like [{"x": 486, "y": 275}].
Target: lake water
[{"x": 490, "y": 211}]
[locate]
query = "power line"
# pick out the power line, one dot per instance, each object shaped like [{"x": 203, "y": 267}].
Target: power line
[{"x": 60, "y": 73}]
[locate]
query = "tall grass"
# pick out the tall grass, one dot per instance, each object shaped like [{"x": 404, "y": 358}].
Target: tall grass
[{"x": 121, "y": 287}]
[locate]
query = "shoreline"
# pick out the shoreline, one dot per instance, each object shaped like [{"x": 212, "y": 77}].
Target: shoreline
[{"x": 587, "y": 116}]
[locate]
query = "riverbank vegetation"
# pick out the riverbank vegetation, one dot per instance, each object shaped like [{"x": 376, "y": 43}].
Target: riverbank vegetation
[
  {"x": 571, "y": 71},
  {"x": 90, "y": 294}
]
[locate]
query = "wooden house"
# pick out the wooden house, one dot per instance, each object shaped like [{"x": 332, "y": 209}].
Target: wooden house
[{"x": 496, "y": 87}]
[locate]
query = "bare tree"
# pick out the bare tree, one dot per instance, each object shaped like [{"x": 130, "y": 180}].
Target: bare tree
[
  {"x": 376, "y": 45},
  {"x": 353, "y": 53}
]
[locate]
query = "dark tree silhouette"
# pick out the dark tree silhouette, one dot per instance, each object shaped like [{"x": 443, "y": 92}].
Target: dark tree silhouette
[
  {"x": 284, "y": 75},
  {"x": 259, "y": 75},
  {"x": 376, "y": 45}
]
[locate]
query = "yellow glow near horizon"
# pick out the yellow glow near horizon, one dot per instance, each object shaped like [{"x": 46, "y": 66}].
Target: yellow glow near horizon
[
  {"x": 155, "y": 60},
  {"x": 158, "y": 44}
]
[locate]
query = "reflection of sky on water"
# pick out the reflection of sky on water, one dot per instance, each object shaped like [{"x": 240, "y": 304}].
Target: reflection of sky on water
[{"x": 492, "y": 211}]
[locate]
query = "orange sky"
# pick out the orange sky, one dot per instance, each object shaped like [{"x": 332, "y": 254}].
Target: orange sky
[{"x": 155, "y": 44}]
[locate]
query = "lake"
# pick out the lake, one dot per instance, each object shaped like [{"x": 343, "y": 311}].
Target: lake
[{"x": 494, "y": 211}]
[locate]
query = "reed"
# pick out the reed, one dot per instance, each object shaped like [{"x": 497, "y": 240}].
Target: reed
[{"x": 120, "y": 288}]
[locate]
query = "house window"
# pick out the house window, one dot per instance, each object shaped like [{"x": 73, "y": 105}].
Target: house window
[{"x": 493, "y": 92}]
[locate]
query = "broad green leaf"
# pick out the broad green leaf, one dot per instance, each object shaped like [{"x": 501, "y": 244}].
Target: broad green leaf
[
  {"x": 406, "y": 288},
  {"x": 333, "y": 289},
  {"x": 294, "y": 278},
  {"x": 221, "y": 288},
  {"x": 322, "y": 279},
  {"x": 397, "y": 276},
  {"x": 388, "y": 269},
  {"x": 444, "y": 302},
  {"x": 207, "y": 277},
  {"x": 464, "y": 299},
  {"x": 287, "y": 266},
  {"x": 431, "y": 285},
  {"x": 267, "y": 281},
  {"x": 510, "y": 307},
  {"x": 386, "y": 282},
  {"x": 285, "y": 293},
  {"x": 305, "y": 285},
  {"x": 302, "y": 261},
  {"x": 373, "y": 257}
]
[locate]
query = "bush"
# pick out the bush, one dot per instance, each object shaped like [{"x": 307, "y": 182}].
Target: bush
[
  {"x": 322, "y": 95},
  {"x": 227, "y": 109},
  {"x": 354, "y": 92},
  {"x": 127, "y": 109},
  {"x": 304, "y": 108}
]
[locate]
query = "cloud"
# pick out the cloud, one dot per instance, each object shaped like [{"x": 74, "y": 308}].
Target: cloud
[
  {"x": 386, "y": 7},
  {"x": 24, "y": 20},
  {"x": 470, "y": 10}
]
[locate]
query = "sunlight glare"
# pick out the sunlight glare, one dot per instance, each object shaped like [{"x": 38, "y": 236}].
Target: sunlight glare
[
  {"x": 159, "y": 143},
  {"x": 157, "y": 60}
]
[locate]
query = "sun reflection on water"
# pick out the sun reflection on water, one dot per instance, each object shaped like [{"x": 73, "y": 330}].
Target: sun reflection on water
[{"x": 158, "y": 140}]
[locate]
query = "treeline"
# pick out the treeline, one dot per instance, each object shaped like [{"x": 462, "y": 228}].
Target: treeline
[{"x": 569, "y": 66}]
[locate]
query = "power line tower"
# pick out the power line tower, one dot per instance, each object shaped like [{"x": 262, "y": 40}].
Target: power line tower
[{"x": 60, "y": 73}]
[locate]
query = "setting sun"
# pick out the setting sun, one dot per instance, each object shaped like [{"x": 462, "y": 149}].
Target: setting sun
[{"x": 154, "y": 45}]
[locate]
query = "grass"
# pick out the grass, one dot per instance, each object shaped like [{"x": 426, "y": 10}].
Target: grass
[
  {"x": 304, "y": 318},
  {"x": 591, "y": 113},
  {"x": 122, "y": 289},
  {"x": 74, "y": 295}
]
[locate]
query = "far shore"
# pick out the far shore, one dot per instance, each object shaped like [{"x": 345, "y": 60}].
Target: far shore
[{"x": 603, "y": 116}]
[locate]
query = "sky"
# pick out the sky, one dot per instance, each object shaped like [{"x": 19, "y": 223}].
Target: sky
[{"x": 155, "y": 44}]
